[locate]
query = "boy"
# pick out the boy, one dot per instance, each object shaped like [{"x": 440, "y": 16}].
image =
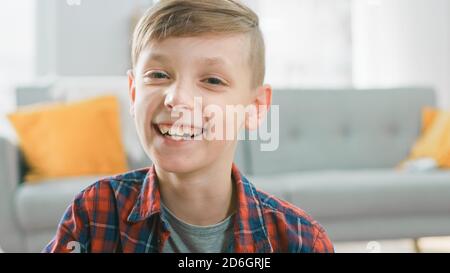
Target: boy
[{"x": 193, "y": 198}]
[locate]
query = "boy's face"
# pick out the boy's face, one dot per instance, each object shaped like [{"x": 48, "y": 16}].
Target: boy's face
[{"x": 173, "y": 77}]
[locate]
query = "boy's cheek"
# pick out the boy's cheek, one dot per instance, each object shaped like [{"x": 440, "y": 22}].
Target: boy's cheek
[{"x": 144, "y": 110}]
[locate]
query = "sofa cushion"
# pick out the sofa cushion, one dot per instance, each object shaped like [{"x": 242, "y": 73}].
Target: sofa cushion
[
  {"x": 40, "y": 206},
  {"x": 340, "y": 195}
]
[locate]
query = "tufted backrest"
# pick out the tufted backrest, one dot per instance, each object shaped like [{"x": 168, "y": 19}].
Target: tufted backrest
[{"x": 342, "y": 129}]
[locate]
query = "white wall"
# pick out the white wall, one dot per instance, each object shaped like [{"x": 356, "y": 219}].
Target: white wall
[
  {"x": 16, "y": 54},
  {"x": 308, "y": 42},
  {"x": 92, "y": 38},
  {"x": 402, "y": 42}
]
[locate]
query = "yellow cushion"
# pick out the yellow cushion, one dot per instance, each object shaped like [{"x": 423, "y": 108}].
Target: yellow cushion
[
  {"x": 435, "y": 139},
  {"x": 428, "y": 116},
  {"x": 73, "y": 139}
]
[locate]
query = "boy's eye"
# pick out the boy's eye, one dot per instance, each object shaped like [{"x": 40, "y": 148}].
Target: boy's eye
[
  {"x": 214, "y": 81},
  {"x": 155, "y": 77},
  {"x": 158, "y": 75}
]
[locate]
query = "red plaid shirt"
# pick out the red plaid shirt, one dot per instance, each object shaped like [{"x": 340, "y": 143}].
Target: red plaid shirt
[{"x": 122, "y": 214}]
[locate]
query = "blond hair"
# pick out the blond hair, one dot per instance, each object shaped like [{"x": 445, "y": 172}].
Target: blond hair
[{"x": 185, "y": 18}]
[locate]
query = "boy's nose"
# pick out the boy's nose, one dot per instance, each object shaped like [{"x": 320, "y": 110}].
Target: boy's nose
[{"x": 179, "y": 97}]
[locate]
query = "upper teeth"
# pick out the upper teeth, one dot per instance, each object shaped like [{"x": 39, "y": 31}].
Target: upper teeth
[{"x": 179, "y": 130}]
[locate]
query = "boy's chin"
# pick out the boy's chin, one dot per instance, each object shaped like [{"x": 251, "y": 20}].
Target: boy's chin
[{"x": 178, "y": 165}]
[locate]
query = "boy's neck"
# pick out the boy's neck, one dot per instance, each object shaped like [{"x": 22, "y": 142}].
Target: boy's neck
[{"x": 202, "y": 198}]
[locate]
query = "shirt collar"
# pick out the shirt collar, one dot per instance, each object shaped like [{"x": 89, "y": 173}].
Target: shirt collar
[
  {"x": 149, "y": 198},
  {"x": 249, "y": 228}
]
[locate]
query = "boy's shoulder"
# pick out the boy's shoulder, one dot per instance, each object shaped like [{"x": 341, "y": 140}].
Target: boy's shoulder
[
  {"x": 118, "y": 189},
  {"x": 278, "y": 206},
  {"x": 133, "y": 178},
  {"x": 291, "y": 226}
]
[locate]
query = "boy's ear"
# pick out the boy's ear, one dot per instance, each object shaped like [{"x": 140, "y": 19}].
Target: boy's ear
[
  {"x": 131, "y": 90},
  {"x": 260, "y": 107}
]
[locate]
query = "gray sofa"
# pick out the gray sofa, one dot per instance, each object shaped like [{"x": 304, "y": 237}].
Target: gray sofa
[{"x": 336, "y": 159}]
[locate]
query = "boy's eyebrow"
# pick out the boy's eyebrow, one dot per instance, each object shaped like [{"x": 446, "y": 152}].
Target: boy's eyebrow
[
  {"x": 208, "y": 60},
  {"x": 158, "y": 57},
  {"x": 214, "y": 61}
]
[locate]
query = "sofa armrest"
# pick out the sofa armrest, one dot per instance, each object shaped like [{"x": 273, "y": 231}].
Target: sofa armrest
[
  {"x": 10, "y": 233},
  {"x": 9, "y": 166}
]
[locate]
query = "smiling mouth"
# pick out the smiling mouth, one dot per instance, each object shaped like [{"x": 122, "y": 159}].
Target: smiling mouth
[{"x": 181, "y": 132}]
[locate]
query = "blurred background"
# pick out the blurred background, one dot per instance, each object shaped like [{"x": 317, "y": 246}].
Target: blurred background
[{"x": 381, "y": 60}]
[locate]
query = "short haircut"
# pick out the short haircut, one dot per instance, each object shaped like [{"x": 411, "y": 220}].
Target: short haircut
[{"x": 186, "y": 18}]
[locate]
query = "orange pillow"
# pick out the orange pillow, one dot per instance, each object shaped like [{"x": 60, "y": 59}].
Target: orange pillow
[
  {"x": 435, "y": 139},
  {"x": 428, "y": 116},
  {"x": 73, "y": 139}
]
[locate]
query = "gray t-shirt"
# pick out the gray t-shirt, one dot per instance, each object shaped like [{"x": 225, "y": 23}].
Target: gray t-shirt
[{"x": 187, "y": 238}]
